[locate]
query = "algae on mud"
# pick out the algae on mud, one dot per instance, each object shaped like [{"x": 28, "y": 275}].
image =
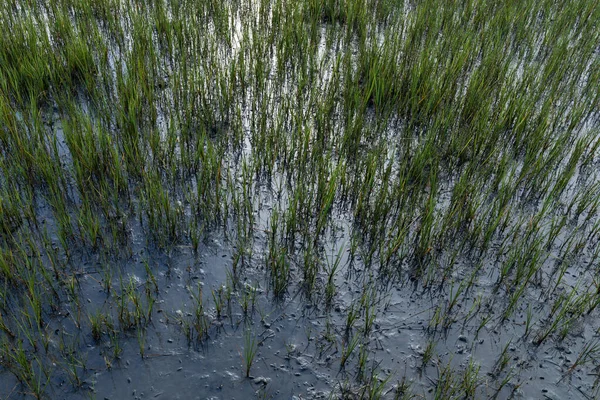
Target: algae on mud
[{"x": 314, "y": 198}]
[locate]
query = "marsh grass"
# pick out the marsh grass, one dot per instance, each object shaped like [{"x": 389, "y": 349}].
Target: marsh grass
[
  {"x": 451, "y": 147},
  {"x": 249, "y": 351}
]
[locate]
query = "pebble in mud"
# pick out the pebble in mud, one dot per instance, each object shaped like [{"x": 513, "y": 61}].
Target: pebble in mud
[
  {"x": 261, "y": 380},
  {"x": 550, "y": 395},
  {"x": 302, "y": 362}
]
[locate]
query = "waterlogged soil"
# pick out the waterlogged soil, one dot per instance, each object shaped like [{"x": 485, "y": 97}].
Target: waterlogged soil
[
  {"x": 418, "y": 337},
  {"x": 361, "y": 332},
  {"x": 300, "y": 340}
]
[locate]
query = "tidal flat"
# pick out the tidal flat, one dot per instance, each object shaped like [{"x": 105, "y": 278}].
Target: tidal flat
[{"x": 309, "y": 199}]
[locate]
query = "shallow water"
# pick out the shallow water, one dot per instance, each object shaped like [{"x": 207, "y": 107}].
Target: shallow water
[{"x": 427, "y": 319}]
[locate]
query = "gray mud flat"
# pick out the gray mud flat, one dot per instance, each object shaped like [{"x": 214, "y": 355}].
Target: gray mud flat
[{"x": 313, "y": 199}]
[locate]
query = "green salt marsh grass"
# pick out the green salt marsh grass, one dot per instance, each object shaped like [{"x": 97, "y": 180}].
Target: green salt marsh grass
[{"x": 343, "y": 149}]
